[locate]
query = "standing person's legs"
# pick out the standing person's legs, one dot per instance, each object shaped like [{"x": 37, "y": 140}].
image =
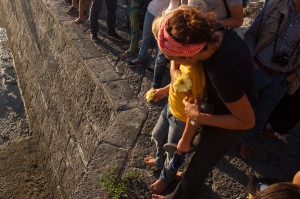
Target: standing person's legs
[
  {"x": 95, "y": 10},
  {"x": 134, "y": 25},
  {"x": 73, "y": 8},
  {"x": 269, "y": 92},
  {"x": 111, "y": 6},
  {"x": 213, "y": 145},
  {"x": 147, "y": 36},
  {"x": 74, "y": 3},
  {"x": 159, "y": 69},
  {"x": 81, "y": 11}
]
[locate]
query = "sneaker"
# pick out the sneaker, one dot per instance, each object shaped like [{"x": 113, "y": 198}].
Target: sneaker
[
  {"x": 71, "y": 10},
  {"x": 95, "y": 39},
  {"x": 150, "y": 69},
  {"x": 115, "y": 36},
  {"x": 134, "y": 63}
]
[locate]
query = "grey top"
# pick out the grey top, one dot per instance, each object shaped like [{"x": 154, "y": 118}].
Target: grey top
[{"x": 215, "y": 5}]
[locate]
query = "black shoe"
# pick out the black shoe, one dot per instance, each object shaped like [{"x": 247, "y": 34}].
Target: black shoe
[
  {"x": 134, "y": 63},
  {"x": 95, "y": 39},
  {"x": 115, "y": 36},
  {"x": 150, "y": 69},
  {"x": 71, "y": 10}
]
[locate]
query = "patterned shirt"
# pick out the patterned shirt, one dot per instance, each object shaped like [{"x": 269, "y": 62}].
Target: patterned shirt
[{"x": 286, "y": 42}]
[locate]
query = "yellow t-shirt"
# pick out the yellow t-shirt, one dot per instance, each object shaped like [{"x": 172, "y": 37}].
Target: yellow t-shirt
[{"x": 197, "y": 76}]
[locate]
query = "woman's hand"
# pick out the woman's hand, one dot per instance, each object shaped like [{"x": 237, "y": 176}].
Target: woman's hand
[{"x": 192, "y": 110}]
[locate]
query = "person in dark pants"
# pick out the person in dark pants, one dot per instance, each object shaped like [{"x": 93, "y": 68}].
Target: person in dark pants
[
  {"x": 111, "y": 6},
  {"x": 229, "y": 83},
  {"x": 274, "y": 45}
]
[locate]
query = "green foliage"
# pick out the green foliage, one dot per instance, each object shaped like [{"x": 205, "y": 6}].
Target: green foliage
[{"x": 116, "y": 186}]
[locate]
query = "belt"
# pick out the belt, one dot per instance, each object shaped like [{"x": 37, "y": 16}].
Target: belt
[{"x": 268, "y": 70}]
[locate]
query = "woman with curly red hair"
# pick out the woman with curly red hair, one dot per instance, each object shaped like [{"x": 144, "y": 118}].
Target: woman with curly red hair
[{"x": 229, "y": 83}]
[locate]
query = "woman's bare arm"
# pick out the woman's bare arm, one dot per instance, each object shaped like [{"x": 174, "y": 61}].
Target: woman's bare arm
[
  {"x": 236, "y": 19},
  {"x": 241, "y": 115}
]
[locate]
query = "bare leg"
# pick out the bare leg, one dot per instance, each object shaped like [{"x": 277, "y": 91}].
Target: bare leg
[
  {"x": 74, "y": 3},
  {"x": 81, "y": 11}
]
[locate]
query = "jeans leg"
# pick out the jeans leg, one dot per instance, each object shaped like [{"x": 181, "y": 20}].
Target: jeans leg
[
  {"x": 269, "y": 92},
  {"x": 160, "y": 136},
  {"x": 176, "y": 129},
  {"x": 159, "y": 69},
  {"x": 111, "y": 6},
  {"x": 147, "y": 36},
  {"x": 95, "y": 10},
  {"x": 213, "y": 145}
]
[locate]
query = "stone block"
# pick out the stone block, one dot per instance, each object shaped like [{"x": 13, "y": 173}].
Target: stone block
[
  {"x": 120, "y": 96},
  {"x": 59, "y": 11},
  {"x": 124, "y": 130},
  {"x": 103, "y": 71},
  {"x": 86, "y": 48},
  {"x": 73, "y": 31},
  {"x": 88, "y": 186}
]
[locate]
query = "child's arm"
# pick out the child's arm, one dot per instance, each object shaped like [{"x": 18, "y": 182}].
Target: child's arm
[
  {"x": 161, "y": 93},
  {"x": 184, "y": 144}
]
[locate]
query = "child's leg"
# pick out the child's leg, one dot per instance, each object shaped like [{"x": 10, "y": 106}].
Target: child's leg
[
  {"x": 168, "y": 173},
  {"x": 160, "y": 136}
]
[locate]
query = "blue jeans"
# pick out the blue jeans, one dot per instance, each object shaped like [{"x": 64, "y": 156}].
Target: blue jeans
[
  {"x": 159, "y": 69},
  {"x": 168, "y": 129},
  {"x": 147, "y": 37},
  {"x": 111, "y": 6},
  {"x": 268, "y": 92}
]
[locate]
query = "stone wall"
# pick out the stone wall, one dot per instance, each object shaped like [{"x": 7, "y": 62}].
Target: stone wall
[{"x": 80, "y": 112}]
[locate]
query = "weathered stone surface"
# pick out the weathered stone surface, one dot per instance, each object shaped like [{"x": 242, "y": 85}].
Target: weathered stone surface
[
  {"x": 86, "y": 48},
  {"x": 89, "y": 186},
  {"x": 73, "y": 31},
  {"x": 144, "y": 147},
  {"x": 122, "y": 97},
  {"x": 124, "y": 131},
  {"x": 103, "y": 71}
]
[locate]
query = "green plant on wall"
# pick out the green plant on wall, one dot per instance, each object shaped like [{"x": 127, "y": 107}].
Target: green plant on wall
[{"x": 116, "y": 186}]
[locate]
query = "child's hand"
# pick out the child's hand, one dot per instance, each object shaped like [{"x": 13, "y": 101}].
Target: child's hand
[
  {"x": 183, "y": 146},
  {"x": 160, "y": 93}
]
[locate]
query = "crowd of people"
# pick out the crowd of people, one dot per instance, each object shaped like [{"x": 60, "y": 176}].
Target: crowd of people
[{"x": 223, "y": 88}]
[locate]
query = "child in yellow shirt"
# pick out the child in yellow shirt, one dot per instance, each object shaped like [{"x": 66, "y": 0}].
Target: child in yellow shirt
[{"x": 173, "y": 123}]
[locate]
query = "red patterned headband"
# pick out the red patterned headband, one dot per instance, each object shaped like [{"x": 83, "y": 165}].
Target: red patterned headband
[{"x": 170, "y": 47}]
